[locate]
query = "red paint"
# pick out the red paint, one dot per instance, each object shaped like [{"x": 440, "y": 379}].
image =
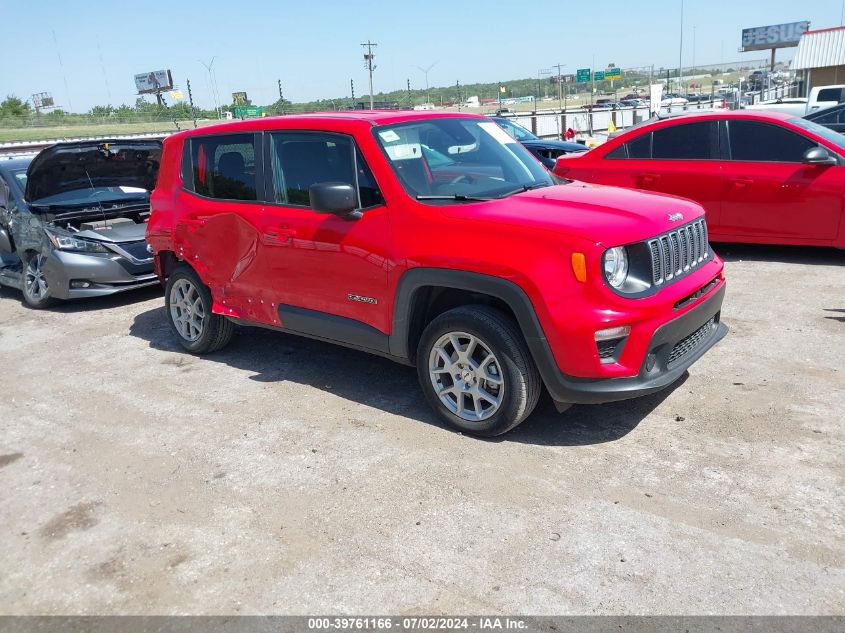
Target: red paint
[
  {"x": 757, "y": 202},
  {"x": 254, "y": 256}
]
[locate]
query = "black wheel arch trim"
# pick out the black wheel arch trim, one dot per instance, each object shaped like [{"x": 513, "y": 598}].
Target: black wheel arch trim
[
  {"x": 414, "y": 280},
  {"x": 561, "y": 387}
]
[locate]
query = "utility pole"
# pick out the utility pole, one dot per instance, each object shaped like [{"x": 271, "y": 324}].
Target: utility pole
[
  {"x": 191, "y": 102},
  {"x": 369, "y": 56},
  {"x": 458, "y": 88},
  {"x": 409, "y": 93},
  {"x": 281, "y": 97},
  {"x": 352, "y": 88}
]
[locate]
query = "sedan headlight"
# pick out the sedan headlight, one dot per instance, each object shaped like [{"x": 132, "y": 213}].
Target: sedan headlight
[
  {"x": 616, "y": 266},
  {"x": 69, "y": 242}
]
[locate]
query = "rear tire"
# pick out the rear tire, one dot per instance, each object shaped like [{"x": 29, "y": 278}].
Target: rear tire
[
  {"x": 476, "y": 371},
  {"x": 35, "y": 286},
  {"x": 188, "y": 303}
]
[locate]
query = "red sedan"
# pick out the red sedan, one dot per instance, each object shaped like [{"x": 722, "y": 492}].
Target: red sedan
[{"x": 762, "y": 177}]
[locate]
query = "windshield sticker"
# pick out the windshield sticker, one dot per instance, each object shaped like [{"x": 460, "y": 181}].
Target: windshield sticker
[
  {"x": 404, "y": 151},
  {"x": 389, "y": 136},
  {"x": 496, "y": 132}
]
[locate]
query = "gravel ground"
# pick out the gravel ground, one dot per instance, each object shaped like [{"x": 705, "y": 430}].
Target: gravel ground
[{"x": 288, "y": 476}]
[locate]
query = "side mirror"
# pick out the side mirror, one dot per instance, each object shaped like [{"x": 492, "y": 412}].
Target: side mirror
[
  {"x": 818, "y": 156},
  {"x": 337, "y": 198}
]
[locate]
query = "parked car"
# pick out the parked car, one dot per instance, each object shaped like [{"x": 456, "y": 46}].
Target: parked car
[
  {"x": 673, "y": 99},
  {"x": 72, "y": 220},
  {"x": 820, "y": 97},
  {"x": 832, "y": 118},
  {"x": 483, "y": 273},
  {"x": 546, "y": 151},
  {"x": 762, "y": 177}
]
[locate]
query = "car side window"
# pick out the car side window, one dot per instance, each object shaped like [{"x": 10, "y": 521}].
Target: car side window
[
  {"x": 224, "y": 166},
  {"x": 685, "y": 141},
  {"x": 639, "y": 147},
  {"x": 617, "y": 152},
  {"x": 766, "y": 143},
  {"x": 302, "y": 159},
  {"x": 829, "y": 94}
]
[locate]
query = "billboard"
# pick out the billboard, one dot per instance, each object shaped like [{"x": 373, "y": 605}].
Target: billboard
[
  {"x": 775, "y": 36},
  {"x": 42, "y": 100},
  {"x": 239, "y": 99},
  {"x": 155, "y": 81}
]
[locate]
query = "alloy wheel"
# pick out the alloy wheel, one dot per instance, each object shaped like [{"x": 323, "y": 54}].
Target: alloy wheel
[
  {"x": 187, "y": 310},
  {"x": 35, "y": 282},
  {"x": 466, "y": 376}
]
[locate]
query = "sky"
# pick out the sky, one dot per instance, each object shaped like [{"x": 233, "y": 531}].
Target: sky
[{"x": 86, "y": 53}]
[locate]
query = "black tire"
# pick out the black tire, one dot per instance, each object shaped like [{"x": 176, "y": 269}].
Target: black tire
[
  {"x": 520, "y": 381},
  {"x": 34, "y": 282},
  {"x": 215, "y": 330}
]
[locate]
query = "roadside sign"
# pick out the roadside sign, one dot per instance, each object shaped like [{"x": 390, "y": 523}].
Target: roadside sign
[
  {"x": 583, "y": 74},
  {"x": 248, "y": 112},
  {"x": 613, "y": 73},
  {"x": 599, "y": 75}
]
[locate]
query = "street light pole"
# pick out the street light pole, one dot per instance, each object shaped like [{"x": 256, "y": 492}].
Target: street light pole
[
  {"x": 681, "y": 48},
  {"x": 211, "y": 86},
  {"x": 425, "y": 72},
  {"x": 560, "y": 86}
]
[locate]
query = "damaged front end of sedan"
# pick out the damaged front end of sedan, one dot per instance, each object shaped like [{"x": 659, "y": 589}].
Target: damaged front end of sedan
[{"x": 72, "y": 220}]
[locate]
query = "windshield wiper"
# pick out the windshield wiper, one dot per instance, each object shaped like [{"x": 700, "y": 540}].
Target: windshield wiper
[
  {"x": 524, "y": 188},
  {"x": 456, "y": 196}
]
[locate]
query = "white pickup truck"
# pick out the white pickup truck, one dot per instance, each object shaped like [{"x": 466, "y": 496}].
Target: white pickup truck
[{"x": 820, "y": 97}]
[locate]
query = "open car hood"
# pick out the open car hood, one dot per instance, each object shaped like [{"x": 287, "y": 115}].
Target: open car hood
[{"x": 103, "y": 163}]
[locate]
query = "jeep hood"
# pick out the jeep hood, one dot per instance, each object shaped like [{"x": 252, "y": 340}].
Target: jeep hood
[
  {"x": 611, "y": 216},
  {"x": 80, "y": 165}
]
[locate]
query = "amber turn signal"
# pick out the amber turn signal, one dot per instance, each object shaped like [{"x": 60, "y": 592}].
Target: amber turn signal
[{"x": 579, "y": 266}]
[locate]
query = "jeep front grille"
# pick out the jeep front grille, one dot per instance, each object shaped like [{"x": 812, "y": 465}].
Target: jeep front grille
[{"x": 675, "y": 253}]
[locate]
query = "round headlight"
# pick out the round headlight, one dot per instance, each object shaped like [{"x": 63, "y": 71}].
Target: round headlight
[{"x": 616, "y": 266}]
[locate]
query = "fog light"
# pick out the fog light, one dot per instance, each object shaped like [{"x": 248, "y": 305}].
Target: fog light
[
  {"x": 80, "y": 283},
  {"x": 613, "y": 332},
  {"x": 649, "y": 362}
]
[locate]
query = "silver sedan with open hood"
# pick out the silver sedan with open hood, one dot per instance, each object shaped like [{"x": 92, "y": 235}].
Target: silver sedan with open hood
[{"x": 72, "y": 219}]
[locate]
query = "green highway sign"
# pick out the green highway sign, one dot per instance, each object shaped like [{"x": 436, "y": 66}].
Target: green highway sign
[
  {"x": 248, "y": 112},
  {"x": 583, "y": 74},
  {"x": 599, "y": 75},
  {"x": 613, "y": 73}
]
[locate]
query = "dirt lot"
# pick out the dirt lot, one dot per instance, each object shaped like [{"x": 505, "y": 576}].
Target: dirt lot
[{"x": 289, "y": 476}]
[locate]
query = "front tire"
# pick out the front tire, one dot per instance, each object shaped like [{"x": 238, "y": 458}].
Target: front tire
[
  {"x": 476, "y": 371},
  {"x": 188, "y": 306},
  {"x": 37, "y": 293}
]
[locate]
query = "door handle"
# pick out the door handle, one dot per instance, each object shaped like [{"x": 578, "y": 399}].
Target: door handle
[
  {"x": 742, "y": 182},
  {"x": 649, "y": 179}
]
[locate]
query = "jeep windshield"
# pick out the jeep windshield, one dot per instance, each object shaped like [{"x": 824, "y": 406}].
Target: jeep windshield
[{"x": 459, "y": 160}]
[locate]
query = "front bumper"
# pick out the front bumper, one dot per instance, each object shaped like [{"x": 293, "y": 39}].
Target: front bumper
[
  {"x": 695, "y": 332},
  {"x": 105, "y": 274}
]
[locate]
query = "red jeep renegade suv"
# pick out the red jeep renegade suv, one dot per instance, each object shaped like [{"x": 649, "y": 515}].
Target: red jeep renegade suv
[{"x": 438, "y": 241}]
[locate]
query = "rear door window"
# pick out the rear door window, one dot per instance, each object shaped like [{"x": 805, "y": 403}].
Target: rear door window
[
  {"x": 224, "y": 167},
  {"x": 686, "y": 141},
  {"x": 830, "y": 94},
  {"x": 302, "y": 159},
  {"x": 766, "y": 143}
]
